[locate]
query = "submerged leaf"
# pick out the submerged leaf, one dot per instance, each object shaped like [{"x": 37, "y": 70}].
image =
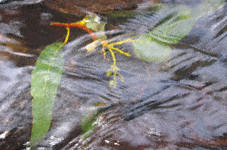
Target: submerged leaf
[
  {"x": 176, "y": 24},
  {"x": 46, "y": 78},
  {"x": 181, "y": 20},
  {"x": 89, "y": 122},
  {"x": 150, "y": 50},
  {"x": 174, "y": 29},
  {"x": 94, "y": 23}
]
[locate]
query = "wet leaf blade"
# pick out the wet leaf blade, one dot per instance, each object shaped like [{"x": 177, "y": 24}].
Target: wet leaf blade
[
  {"x": 181, "y": 20},
  {"x": 150, "y": 50},
  {"x": 46, "y": 78},
  {"x": 173, "y": 32},
  {"x": 153, "y": 46},
  {"x": 94, "y": 23}
]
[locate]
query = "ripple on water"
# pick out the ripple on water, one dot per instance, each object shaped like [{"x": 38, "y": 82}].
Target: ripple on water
[{"x": 177, "y": 104}]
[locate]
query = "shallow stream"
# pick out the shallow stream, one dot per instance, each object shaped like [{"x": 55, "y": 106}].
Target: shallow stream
[{"x": 180, "y": 103}]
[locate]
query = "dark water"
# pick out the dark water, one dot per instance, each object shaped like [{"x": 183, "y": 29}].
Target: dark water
[{"x": 177, "y": 104}]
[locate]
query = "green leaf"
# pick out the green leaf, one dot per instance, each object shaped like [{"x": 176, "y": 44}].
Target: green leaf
[
  {"x": 175, "y": 28},
  {"x": 181, "y": 20},
  {"x": 88, "y": 121},
  {"x": 46, "y": 78},
  {"x": 150, "y": 50},
  {"x": 207, "y": 7},
  {"x": 177, "y": 23},
  {"x": 95, "y": 23}
]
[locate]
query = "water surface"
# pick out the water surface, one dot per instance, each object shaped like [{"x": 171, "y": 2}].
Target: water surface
[{"x": 176, "y": 104}]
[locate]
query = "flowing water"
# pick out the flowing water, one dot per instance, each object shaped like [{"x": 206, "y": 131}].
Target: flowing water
[{"x": 176, "y": 104}]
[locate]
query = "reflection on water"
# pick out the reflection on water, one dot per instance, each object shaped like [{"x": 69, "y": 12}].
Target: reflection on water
[{"x": 177, "y": 104}]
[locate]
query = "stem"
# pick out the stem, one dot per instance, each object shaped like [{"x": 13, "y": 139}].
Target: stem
[
  {"x": 113, "y": 56},
  {"x": 67, "y": 35},
  {"x": 79, "y": 24}
]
